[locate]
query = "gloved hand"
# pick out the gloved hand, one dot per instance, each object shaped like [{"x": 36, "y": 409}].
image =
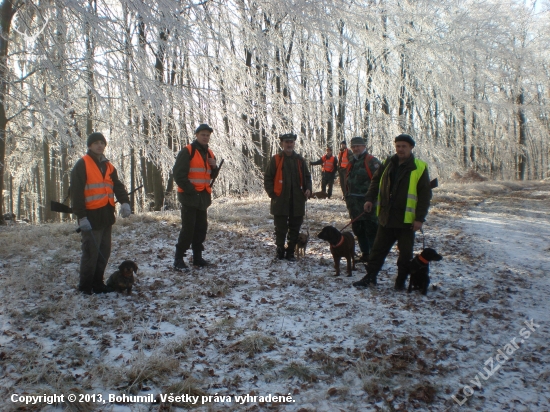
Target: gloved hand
[
  {"x": 125, "y": 210},
  {"x": 84, "y": 224}
]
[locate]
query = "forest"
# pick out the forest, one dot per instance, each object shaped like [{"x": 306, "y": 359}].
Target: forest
[{"x": 469, "y": 80}]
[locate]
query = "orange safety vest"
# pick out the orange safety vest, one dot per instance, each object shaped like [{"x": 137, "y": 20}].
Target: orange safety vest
[
  {"x": 99, "y": 190},
  {"x": 278, "y": 181},
  {"x": 328, "y": 164},
  {"x": 199, "y": 171},
  {"x": 343, "y": 159}
]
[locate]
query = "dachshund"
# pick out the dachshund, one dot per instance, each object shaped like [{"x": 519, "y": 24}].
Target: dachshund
[
  {"x": 123, "y": 278},
  {"x": 419, "y": 269},
  {"x": 342, "y": 245}
]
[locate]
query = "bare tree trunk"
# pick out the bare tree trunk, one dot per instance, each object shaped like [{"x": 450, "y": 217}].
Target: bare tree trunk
[
  {"x": 522, "y": 121},
  {"x": 7, "y": 10}
]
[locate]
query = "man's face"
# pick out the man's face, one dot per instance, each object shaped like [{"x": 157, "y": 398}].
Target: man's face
[
  {"x": 342, "y": 147},
  {"x": 97, "y": 147},
  {"x": 288, "y": 146},
  {"x": 203, "y": 137},
  {"x": 329, "y": 152},
  {"x": 357, "y": 149},
  {"x": 403, "y": 150}
]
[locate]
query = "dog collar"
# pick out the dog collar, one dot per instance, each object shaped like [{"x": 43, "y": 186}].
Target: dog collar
[
  {"x": 338, "y": 244},
  {"x": 420, "y": 258}
]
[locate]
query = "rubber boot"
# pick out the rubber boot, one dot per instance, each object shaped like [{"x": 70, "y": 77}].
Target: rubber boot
[
  {"x": 180, "y": 265},
  {"x": 363, "y": 283},
  {"x": 198, "y": 260},
  {"x": 402, "y": 273},
  {"x": 289, "y": 255}
]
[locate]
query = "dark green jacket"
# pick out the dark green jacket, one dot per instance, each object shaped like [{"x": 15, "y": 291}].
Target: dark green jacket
[
  {"x": 394, "y": 190},
  {"x": 291, "y": 194},
  {"x": 190, "y": 197},
  {"x": 357, "y": 185},
  {"x": 104, "y": 216}
]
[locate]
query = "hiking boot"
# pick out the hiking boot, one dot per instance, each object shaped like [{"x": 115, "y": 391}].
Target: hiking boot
[
  {"x": 401, "y": 279},
  {"x": 180, "y": 265},
  {"x": 280, "y": 252},
  {"x": 85, "y": 291},
  {"x": 289, "y": 255},
  {"x": 198, "y": 260},
  {"x": 363, "y": 283}
]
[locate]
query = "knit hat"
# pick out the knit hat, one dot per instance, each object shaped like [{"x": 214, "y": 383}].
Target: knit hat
[
  {"x": 357, "y": 141},
  {"x": 405, "y": 138},
  {"x": 94, "y": 137},
  {"x": 202, "y": 127},
  {"x": 287, "y": 136},
  {"x": 343, "y": 142}
]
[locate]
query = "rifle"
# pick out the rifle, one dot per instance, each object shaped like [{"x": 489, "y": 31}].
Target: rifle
[
  {"x": 62, "y": 208},
  {"x": 219, "y": 168}
]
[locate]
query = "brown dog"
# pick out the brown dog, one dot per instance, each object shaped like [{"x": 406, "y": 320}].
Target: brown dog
[
  {"x": 318, "y": 195},
  {"x": 123, "y": 278},
  {"x": 342, "y": 245},
  {"x": 302, "y": 244}
]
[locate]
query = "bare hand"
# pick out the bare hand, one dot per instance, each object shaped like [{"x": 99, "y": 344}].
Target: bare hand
[
  {"x": 307, "y": 194},
  {"x": 368, "y": 207},
  {"x": 212, "y": 162},
  {"x": 417, "y": 225}
]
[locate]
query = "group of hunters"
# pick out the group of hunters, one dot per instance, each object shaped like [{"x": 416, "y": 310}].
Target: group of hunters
[{"x": 387, "y": 201}]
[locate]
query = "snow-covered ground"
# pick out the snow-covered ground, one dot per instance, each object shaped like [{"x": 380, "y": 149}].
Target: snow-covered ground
[{"x": 249, "y": 325}]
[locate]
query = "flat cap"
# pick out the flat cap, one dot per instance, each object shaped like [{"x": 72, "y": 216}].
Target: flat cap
[
  {"x": 405, "y": 138},
  {"x": 202, "y": 127},
  {"x": 357, "y": 141},
  {"x": 288, "y": 136}
]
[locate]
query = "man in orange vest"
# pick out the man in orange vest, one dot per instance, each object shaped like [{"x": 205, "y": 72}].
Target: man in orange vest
[
  {"x": 329, "y": 168},
  {"x": 94, "y": 185},
  {"x": 193, "y": 172},
  {"x": 344, "y": 158},
  {"x": 287, "y": 182}
]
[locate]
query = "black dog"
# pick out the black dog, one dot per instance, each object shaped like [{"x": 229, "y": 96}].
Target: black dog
[
  {"x": 123, "y": 278},
  {"x": 419, "y": 268},
  {"x": 342, "y": 245}
]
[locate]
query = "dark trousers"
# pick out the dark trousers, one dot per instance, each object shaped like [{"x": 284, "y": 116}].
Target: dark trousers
[
  {"x": 287, "y": 227},
  {"x": 96, "y": 250},
  {"x": 385, "y": 239},
  {"x": 365, "y": 230},
  {"x": 342, "y": 175},
  {"x": 327, "y": 179},
  {"x": 194, "y": 224}
]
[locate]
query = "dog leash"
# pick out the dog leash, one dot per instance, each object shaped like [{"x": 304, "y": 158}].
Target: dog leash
[
  {"x": 352, "y": 221},
  {"x": 423, "y": 238}
]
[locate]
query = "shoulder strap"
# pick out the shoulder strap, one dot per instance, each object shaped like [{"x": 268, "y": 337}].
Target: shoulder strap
[{"x": 368, "y": 158}]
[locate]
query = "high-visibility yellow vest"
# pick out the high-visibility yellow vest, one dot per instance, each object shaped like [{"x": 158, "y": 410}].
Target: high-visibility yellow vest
[{"x": 412, "y": 195}]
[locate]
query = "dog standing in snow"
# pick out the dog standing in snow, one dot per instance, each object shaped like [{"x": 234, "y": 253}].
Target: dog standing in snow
[
  {"x": 302, "y": 244},
  {"x": 342, "y": 245},
  {"x": 419, "y": 269}
]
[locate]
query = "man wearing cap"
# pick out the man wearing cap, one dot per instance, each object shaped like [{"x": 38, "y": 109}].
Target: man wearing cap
[
  {"x": 94, "y": 185},
  {"x": 287, "y": 182},
  {"x": 343, "y": 161},
  {"x": 329, "y": 167},
  {"x": 193, "y": 172},
  {"x": 361, "y": 169},
  {"x": 401, "y": 191}
]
